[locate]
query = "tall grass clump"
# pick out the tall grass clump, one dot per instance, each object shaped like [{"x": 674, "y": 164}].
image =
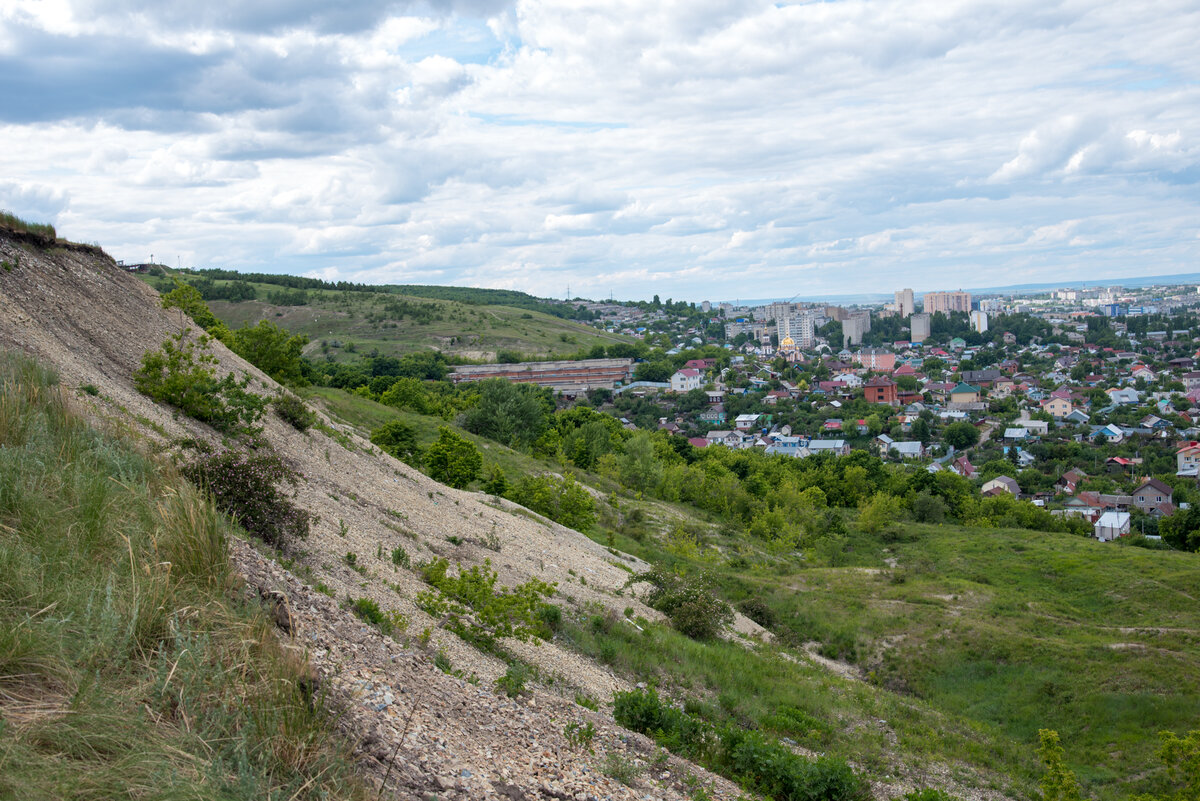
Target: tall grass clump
[
  {"x": 14, "y": 223},
  {"x": 125, "y": 668}
]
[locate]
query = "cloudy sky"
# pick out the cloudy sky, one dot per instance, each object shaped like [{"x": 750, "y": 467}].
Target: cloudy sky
[{"x": 687, "y": 148}]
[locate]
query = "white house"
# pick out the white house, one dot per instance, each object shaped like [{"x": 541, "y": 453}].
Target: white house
[
  {"x": 686, "y": 380},
  {"x": 745, "y": 422},
  {"x": 1111, "y": 525}
]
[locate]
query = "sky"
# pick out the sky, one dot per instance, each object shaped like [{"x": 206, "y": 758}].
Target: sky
[{"x": 689, "y": 148}]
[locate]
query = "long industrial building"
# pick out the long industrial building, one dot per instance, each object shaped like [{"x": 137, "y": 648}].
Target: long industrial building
[{"x": 574, "y": 375}]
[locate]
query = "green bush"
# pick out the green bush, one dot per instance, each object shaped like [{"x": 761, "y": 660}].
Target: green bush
[
  {"x": 294, "y": 411},
  {"x": 399, "y": 439},
  {"x": 761, "y": 765},
  {"x": 476, "y": 609},
  {"x": 580, "y": 737},
  {"x": 183, "y": 374},
  {"x": 247, "y": 487},
  {"x": 512, "y": 683},
  {"x": 559, "y": 498},
  {"x": 272, "y": 350},
  {"x": 757, "y": 610},
  {"x": 687, "y": 601},
  {"x": 453, "y": 460}
]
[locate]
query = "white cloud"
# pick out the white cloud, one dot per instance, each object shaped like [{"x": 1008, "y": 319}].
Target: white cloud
[{"x": 681, "y": 149}]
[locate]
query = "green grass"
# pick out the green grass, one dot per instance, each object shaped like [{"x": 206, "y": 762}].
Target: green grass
[
  {"x": 361, "y": 318},
  {"x": 15, "y": 223},
  {"x": 974, "y": 640},
  {"x": 125, "y": 668}
]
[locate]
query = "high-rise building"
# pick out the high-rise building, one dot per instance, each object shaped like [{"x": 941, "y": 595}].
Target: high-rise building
[
  {"x": 904, "y": 302},
  {"x": 854, "y": 326},
  {"x": 798, "y": 325},
  {"x": 947, "y": 302},
  {"x": 979, "y": 321},
  {"x": 920, "y": 327}
]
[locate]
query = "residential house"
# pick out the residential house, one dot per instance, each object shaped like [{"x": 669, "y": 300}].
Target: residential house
[
  {"x": 881, "y": 389},
  {"x": 1111, "y": 525},
  {"x": 964, "y": 393},
  {"x": 963, "y": 467},
  {"x": 686, "y": 380},
  {"x": 1118, "y": 464},
  {"x": 1154, "y": 498},
  {"x": 1078, "y": 417},
  {"x": 1000, "y": 485},
  {"x": 1016, "y": 434},
  {"x": 877, "y": 359},
  {"x": 1124, "y": 397},
  {"x": 1057, "y": 407},
  {"x": 1191, "y": 380},
  {"x": 1069, "y": 481},
  {"x": 745, "y": 422},
  {"x": 1035, "y": 427},
  {"x": 983, "y": 378},
  {"x": 730, "y": 439},
  {"x": 907, "y": 450},
  {"x": 1187, "y": 458},
  {"x": 837, "y": 447},
  {"x": 713, "y": 416}
]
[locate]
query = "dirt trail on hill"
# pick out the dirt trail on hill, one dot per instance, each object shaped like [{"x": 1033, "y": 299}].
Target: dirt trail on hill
[{"x": 77, "y": 311}]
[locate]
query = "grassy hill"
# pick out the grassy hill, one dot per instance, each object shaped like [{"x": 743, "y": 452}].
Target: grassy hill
[
  {"x": 346, "y": 323},
  {"x": 127, "y": 667},
  {"x": 942, "y": 644}
]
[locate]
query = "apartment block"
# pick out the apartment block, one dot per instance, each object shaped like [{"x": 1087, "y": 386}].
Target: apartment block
[{"x": 947, "y": 302}]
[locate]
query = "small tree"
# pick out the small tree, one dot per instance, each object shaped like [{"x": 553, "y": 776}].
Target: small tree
[
  {"x": 453, "y": 459},
  {"x": 961, "y": 435},
  {"x": 879, "y": 513},
  {"x": 399, "y": 439}
]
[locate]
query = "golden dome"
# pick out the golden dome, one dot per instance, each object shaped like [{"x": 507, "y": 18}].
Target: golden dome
[{"x": 787, "y": 342}]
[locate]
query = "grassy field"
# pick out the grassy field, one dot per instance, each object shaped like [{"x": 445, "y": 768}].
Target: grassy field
[
  {"x": 965, "y": 641},
  {"x": 126, "y": 670},
  {"x": 397, "y": 324}
]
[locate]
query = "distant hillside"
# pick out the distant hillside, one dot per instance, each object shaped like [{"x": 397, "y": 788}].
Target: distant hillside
[{"x": 343, "y": 321}]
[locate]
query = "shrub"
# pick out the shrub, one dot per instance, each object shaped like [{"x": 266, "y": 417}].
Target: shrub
[
  {"x": 188, "y": 299},
  {"x": 183, "y": 374},
  {"x": 879, "y": 514},
  {"x": 620, "y": 767},
  {"x": 757, "y": 610},
  {"x": 476, "y": 610},
  {"x": 294, "y": 411},
  {"x": 453, "y": 459},
  {"x": 248, "y": 488},
  {"x": 580, "y": 737},
  {"x": 399, "y": 439},
  {"x": 559, "y": 498},
  {"x": 687, "y": 601},
  {"x": 512, "y": 683},
  {"x": 272, "y": 350},
  {"x": 761, "y": 765}
]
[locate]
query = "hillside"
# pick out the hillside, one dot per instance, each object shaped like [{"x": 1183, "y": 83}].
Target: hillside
[
  {"x": 75, "y": 310},
  {"x": 345, "y": 324}
]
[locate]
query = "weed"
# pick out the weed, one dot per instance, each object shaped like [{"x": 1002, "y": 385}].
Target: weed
[
  {"x": 586, "y": 701},
  {"x": 579, "y": 736},
  {"x": 442, "y": 663},
  {"x": 512, "y": 683},
  {"x": 620, "y": 767},
  {"x": 90, "y": 389},
  {"x": 323, "y": 588},
  {"x": 400, "y": 557}
]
